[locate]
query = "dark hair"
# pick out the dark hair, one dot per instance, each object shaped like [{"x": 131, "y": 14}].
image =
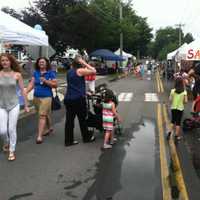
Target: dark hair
[
  {"x": 37, "y": 67},
  {"x": 108, "y": 96},
  {"x": 179, "y": 85},
  {"x": 14, "y": 64},
  {"x": 75, "y": 63}
]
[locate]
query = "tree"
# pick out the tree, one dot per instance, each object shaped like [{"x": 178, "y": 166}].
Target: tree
[
  {"x": 167, "y": 40},
  {"x": 188, "y": 38},
  {"x": 89, "y": 24},
  {"x": 12, "y": 12}
]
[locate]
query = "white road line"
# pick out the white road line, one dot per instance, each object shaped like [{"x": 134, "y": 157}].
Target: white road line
[
  {"x": 151, "y": 97},
  {"x": 121, "y": 96},
  {"x": 125, "y": 97}
]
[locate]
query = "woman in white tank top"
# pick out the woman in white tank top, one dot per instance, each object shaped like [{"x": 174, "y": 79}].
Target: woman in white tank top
[{"x": 10, "y": 76}]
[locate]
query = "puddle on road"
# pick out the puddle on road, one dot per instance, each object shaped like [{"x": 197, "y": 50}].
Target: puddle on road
[
  {"x": 138, "y": 168},
  {"x": 128, "y": 170}
]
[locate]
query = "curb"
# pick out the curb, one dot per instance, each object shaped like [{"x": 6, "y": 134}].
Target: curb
[{"x": 172, "y": 149}]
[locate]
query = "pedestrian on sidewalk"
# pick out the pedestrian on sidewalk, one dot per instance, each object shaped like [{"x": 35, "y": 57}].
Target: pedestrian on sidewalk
[
  {"x": 178, "y": 97},
  {"x": 43, "y": 80},
  {"x": 10, "y": 78},
  {"x": 75, "y": 100},
  {"x": 109, "y": 113},
  {"x": 90, "y": 80}
]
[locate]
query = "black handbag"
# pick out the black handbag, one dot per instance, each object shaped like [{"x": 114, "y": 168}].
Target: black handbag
[{"x": 56, "y": 103}]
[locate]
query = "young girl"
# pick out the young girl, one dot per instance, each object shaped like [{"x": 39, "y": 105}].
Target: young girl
[
  {"x": 178, "y": 97},
  {"x": 109, "y": 112}
]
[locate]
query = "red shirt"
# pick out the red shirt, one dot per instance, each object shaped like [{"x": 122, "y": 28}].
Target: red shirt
[{"x": 90, "y": 77}]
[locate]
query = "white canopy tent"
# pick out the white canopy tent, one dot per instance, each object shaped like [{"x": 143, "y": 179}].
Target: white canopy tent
[
  {"x": 175, "y": 53},
  {"x": 180, "y": 55},
  {"x": 172, "y": 54},
  {"x": 14, "y": 31},
  {"x": 124, "y": 54},
  {"x": 191, "y": 51}
]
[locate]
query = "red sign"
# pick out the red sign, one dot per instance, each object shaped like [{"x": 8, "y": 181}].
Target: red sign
[{"x": 193, "y": 55}]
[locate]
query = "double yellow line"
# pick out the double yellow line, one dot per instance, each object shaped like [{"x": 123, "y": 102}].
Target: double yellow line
[
  {"x": 160, "y": 87},
  {"x": 163, "y": 119},
  {"x": 163, "y": 157}
]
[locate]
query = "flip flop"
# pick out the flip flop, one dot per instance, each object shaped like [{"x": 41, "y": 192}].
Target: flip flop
[{"x": 48, "y": 132}]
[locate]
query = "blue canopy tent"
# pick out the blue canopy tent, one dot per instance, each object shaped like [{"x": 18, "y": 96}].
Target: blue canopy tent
[{"x": 106, "y": 55}]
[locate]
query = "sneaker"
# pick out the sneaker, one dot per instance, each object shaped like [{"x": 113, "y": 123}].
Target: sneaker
[
  {"x": 107, "y": 146},
  {"x": 113, "y": 141}
]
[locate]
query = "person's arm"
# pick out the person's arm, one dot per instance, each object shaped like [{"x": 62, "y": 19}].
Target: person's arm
[
  {"x": 51, "y": 83},
  {"x": 171, "y": 96},
  {"x": 193, "y": 104},
  {"x": 115, "y": 112},
  {"x": 30, "y": 85},
  {"x": 87, "y": 70},
  {"x": 191, "y": 72},
  {"x": 21, "y": 86},
  {"x": 185, "y": 97}
]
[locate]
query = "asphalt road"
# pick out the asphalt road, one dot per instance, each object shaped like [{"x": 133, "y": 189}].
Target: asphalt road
[{"x": 51, "y": 171}]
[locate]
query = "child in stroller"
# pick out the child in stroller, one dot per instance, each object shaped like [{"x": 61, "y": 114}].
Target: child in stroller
[
  {"x": 194, "y": 121},
  {"x": 95, "y": 109}
]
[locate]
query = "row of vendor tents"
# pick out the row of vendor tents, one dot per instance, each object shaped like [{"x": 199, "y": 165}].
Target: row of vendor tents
[
  {"x": 188, "y": 52},
  {"x": 13, "y": 31}
]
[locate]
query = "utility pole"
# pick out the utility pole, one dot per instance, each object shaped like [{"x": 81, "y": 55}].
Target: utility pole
[
  {"x": 121, "y": 34},
  {"x": 179, "y": 26}
]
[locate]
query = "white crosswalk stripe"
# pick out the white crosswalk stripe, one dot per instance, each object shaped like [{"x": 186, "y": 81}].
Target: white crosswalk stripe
[
  {"x": 125, "y": 97},
  {"x": 151, "y": 97}
]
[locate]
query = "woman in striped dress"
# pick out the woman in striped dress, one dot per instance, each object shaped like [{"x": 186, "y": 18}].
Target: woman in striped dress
[{"x": 109, "y": 113}]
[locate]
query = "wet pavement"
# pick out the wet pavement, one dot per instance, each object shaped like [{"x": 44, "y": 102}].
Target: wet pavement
[
  {"x": 120, "y": 170},
  {"x": 84, "y": 172}
]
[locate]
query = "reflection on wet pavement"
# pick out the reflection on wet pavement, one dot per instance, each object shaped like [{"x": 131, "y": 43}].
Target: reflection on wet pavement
[
  {"x": 137, "y": 176},
  {"x": 128, "y": 170}
]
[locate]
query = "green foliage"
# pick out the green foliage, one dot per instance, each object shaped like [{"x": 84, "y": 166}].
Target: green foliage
[
  {"x": 167, "y": 40},
  {"x": 89, "y": 24}
]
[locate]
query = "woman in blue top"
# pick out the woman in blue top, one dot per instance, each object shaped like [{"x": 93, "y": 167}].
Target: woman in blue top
[
  {"x": 75, "y": 100},
  {"x": 43, "y": 80}
]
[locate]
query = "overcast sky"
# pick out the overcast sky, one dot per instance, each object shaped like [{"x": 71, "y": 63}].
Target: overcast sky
[{"x": 160, "y": 13}]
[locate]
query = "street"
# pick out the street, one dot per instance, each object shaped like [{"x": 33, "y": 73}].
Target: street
[
  {"x": 52, "y": 171},
  {"x": 136, "y": 168}
]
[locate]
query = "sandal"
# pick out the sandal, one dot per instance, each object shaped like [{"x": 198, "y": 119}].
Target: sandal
[
  {"x": 39, "y": 141},
  {"x": 5, "y": 148},
  {"x": 50, "y": 131},
  {"x": 11, "y": 156}
]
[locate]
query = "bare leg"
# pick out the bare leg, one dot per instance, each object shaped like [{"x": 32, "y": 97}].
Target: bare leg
[
  {"x": 41, "y": 127},
  {"x": 48, "y": 127},
  {"x": 178, "y": 131},
  {"x": 107, "y": 137}
]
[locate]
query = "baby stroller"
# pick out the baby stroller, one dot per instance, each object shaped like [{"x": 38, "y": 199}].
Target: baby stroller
[
  {"x": 193, "y": 122},
  {"x": 94, "y": 105}
]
